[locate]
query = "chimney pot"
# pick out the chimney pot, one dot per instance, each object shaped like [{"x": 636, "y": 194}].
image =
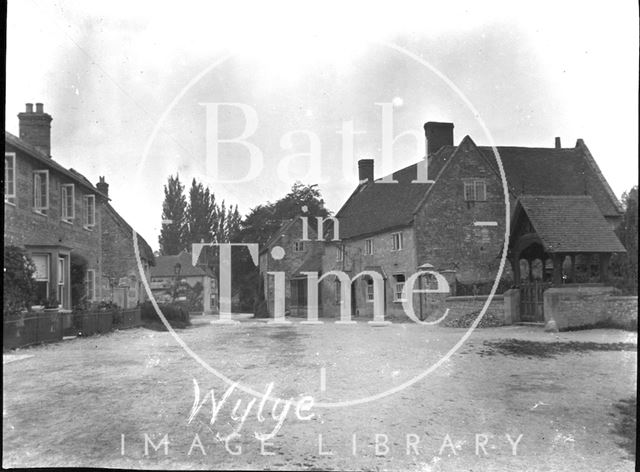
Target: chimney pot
[
  {"x": 438, "y": 135},
  {"x": 558, "y": 143},
  {"x": 35, "y": 128},
  {"x": 365, "y": 170},
  {"x": 103, "y": 186}
]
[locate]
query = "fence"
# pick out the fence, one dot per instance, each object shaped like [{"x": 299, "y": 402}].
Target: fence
[{"x": 46, "y": 326}]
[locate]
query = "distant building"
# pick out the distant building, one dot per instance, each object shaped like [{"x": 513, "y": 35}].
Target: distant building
[
  {"x": 169, "y": 271},
  {"x": 82, "y": 248}
]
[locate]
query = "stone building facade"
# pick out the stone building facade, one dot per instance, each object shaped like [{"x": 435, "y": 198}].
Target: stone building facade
[
  {"x": 452, "y": 220},
  {"x": 81, "y": 247}
]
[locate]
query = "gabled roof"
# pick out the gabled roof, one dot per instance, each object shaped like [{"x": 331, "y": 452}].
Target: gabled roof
[
  {"x": 145, "y": 250},
  {"x": 552, "y": 171},
  {"x": 569, "y": 224},
  {"x": 375, "y": 206},
  {"x": 165, "y": 266},
  {"x": 50, "y": 162}
]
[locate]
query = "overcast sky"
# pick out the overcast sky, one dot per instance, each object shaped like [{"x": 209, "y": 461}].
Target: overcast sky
[{"x": 116, "y": 74}]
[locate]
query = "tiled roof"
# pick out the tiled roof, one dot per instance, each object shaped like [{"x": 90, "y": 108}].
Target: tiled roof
[
  {"x": 551, "y": 171},
  {"x": 165, "y": 266},
  {"x": 375, "y": 207},
  {"x": 570, "y": 224},
  {"x": 312, "y": 263}
]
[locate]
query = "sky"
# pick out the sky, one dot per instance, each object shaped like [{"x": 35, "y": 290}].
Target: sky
[{"x": 135, "y": 89}]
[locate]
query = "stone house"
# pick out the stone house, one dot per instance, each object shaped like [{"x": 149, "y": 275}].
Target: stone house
[
  {"x": 82, "y": 248},
  {"x": 453, "y": 221}
]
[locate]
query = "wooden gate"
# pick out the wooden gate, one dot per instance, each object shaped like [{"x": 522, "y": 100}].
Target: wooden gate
[{"x": 532, "y": 301}]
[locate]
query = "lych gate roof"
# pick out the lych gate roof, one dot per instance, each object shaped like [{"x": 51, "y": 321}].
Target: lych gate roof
[{"x": 570, "y": 224}]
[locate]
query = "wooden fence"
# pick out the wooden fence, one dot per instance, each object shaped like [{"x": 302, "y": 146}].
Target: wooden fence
[{"x": 51, "y": 326}]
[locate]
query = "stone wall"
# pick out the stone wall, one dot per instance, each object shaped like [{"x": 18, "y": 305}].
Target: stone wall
[
  {"x": 460, "y": 306},
  {"x": 573, "y": 307}
]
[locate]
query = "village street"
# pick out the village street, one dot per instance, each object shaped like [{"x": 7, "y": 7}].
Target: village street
[{"x": 91, "y": 401}]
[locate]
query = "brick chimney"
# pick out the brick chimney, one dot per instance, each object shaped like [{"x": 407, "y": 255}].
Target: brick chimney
[
  {"x": 103, "y": 187},
  {"x": 558, "y": 143},
  {"x": 35, "y": 127},
  {"x": 438, "y": 135},
  {"x": 365, "y": 170}
]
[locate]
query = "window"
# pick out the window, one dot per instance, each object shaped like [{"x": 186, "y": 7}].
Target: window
[
  {"x": 340, "y": 253},
  {"x": 369, "y": 289},
  {"x": 368, "y": 247},
  {"x": 68, "y": 198},
  {"x": 398, "y": 287},
  {"x": 89, "y": 211},
  {"x": 337, "y": 287},
  {"x": 299, "y": 292},
  {"x": 41, "y": 191},
  {"x": 61, "y": 278},
  {"x": 475, "y": 191},
  {"x": 298, "y": 246},
  {"x": 396, "y": 241},
  {"x": 10, "y": 177},
  {"x": 41, "y": 275},
  {"x": 91, "y": 285}
]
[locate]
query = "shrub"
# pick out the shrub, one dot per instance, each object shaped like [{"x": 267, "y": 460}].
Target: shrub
[
  {"x": 18, "y": 282},
  {"x": 176, "y": 315}
]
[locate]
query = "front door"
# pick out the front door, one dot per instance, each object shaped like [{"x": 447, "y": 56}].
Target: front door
[{"x": 532, "y": 301}]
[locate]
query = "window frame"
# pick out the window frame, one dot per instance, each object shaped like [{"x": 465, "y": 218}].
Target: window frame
[
  {"x": 397, "y": 294},
  {"x": 90, "y": 288},
  {"x": 397, "y": 246},
  {"x": 337, "y": 286},
  {"x": 10, "y": 197},
  {"x": 298, "y": 246},
  {"x": 471, "y": 190},
  {"x": 368, "y": 247},
  {"x": 42, "y": 210},
  {"x": 86, "y": 213},
  {"x": 63, "y": 198},
  {"x": 369, "y": 290},
  {"x": 47, "y": 276},
  {"x": 340, "y": 254}
]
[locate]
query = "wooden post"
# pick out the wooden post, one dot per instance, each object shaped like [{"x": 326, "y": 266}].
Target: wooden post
[
  {"x": 557, "y": 269},
  {"x": 604, "y": 267}
]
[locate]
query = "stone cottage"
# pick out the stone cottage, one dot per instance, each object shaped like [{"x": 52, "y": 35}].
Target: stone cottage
[{"x": 81, "y": 247}]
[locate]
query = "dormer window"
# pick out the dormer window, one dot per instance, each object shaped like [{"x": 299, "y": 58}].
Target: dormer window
[
  {"x": 41, "y": 191},
  {"x": 475, "y": 190}
]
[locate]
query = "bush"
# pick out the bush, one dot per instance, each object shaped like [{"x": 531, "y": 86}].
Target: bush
[
  {"x": 176, "y": 315},
  {"x": 18, "y": 282}
]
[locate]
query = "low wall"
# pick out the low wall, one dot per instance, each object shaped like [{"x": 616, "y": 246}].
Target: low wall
[
  {"x": 573, "y": 307},
  {"x": 460, "y": 306}
]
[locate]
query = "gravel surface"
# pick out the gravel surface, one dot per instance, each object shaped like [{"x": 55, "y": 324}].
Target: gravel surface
[{"x": 70, "y": 403}]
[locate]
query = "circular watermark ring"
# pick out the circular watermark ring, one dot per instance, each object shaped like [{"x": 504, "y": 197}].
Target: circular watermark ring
[{"x": 416, "y": 378}]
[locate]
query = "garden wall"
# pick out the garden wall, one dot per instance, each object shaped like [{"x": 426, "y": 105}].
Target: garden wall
[
  {"x": 46, "y": 327},
  {"x": 572, "y": 307},
  {"x": 460, "y": 306}
]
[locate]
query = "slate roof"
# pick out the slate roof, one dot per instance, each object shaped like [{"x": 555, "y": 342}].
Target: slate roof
[
  {"x": 373, "y": 208},
  {"x": 50, "y": 162},
  {"x": 570, "y": 224},
  {"x": 165, "y": 266},
  {"x": 312, "y": 263}
]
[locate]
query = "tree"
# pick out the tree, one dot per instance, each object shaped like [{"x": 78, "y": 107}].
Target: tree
[
  {"x": 261, "y": 223},
  {"x": 173, "y": 233},
  {"x": 201, "y": 215},
  {"x": 18, "y": 283},
  {"x": 627, "y": 231}
]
